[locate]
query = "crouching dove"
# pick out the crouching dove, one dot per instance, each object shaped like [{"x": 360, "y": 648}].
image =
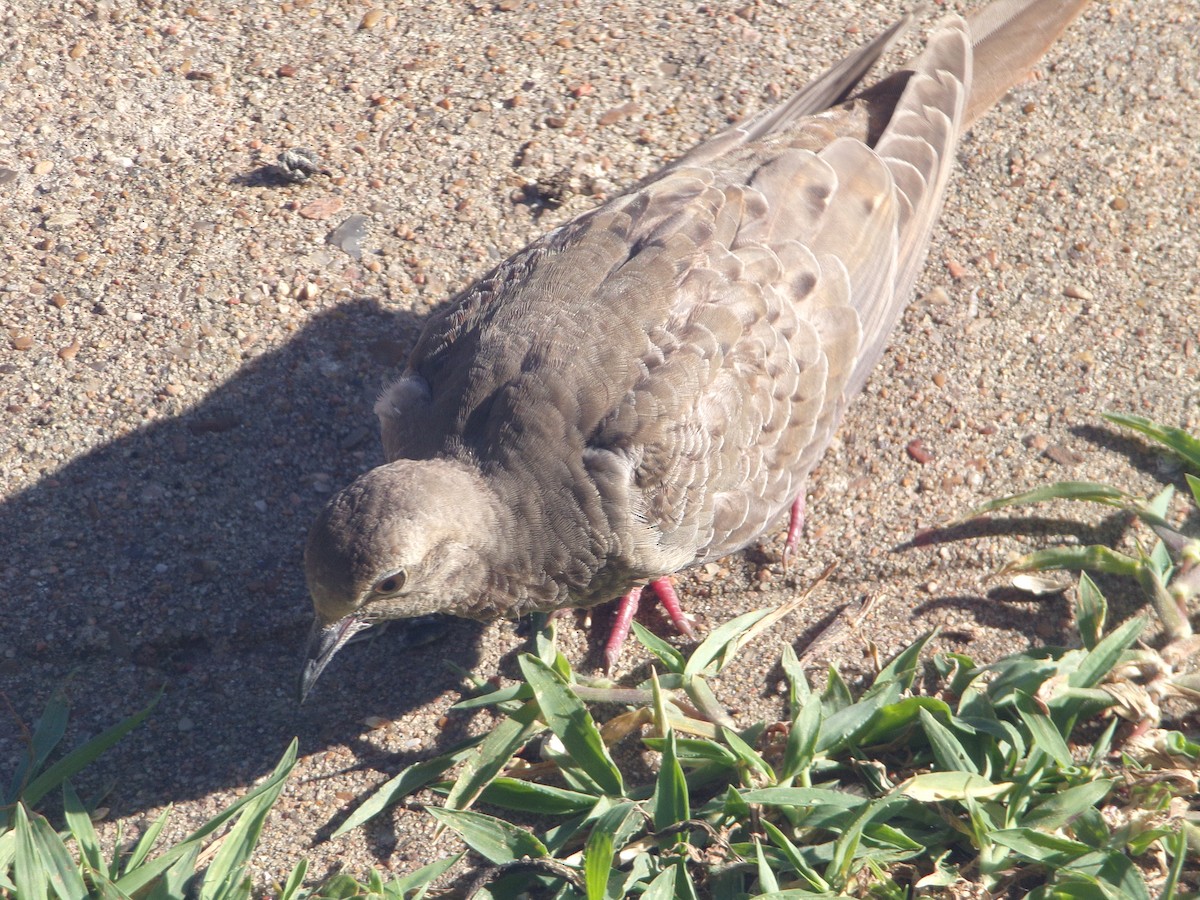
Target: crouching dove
[{"x": 647, "y": 387}]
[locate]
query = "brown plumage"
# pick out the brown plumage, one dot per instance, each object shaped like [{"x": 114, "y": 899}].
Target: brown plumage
[{"x": 648, "y": 386}]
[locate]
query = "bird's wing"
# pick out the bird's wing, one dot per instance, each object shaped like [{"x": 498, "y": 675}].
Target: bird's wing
[
  {"x": 662, "y": 373},
  {"x": 804, "y": 257}
]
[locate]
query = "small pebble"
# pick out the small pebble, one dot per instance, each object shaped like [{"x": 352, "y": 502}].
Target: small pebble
[
  {"x": 371, "y": 18},
  {"x": 1078, "y": 292},
  {"x": 349, "y": 235},
  {"x": 937, "y": 296},
  {"x": 1063, "y": 456},
  {"x": 916, "y": 449},
  {"x": 322, "y": 207},
  {"x": 624, "y": 111}
]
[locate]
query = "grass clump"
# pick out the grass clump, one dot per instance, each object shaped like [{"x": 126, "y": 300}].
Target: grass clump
[
  {"x": 980, "y": 784},
  {"x": 38, "y": 861}
]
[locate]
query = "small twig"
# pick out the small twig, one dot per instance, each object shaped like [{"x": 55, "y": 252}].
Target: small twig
[
  {"x": 848, "y": 619},
  {"x": 549, "y": 867}
]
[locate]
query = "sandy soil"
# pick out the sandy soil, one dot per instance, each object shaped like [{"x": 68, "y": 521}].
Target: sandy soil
[{"x": 188, "y": 366}]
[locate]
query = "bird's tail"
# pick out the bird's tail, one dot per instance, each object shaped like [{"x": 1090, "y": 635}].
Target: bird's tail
[{"x": 1009, "y": 37}]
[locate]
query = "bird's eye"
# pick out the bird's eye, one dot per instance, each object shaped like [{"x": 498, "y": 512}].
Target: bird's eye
[{"x": 390, "y": 584}]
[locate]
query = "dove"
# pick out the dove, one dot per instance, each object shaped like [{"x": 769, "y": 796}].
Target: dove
[{"x": 647, "y": 387}]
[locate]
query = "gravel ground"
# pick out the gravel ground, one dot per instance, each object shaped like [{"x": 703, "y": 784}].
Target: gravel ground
[{"x": 188, "y": 365}]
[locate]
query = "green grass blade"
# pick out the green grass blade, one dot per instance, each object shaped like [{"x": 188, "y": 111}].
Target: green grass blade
[
  {"x": 799, "y": 689},
  {"x": 597, "y": 864},
  {"x": 82, "y": 829},
  {"x": 893, "y": 721},
  {"x": 802, "y": 797},
  {"x": 147, "y": 841},
  {"x": 1091, "y": 611},
  {"x": 663, "y": 886},
  {"x": 1045, "y": 734},
  {"x": 947, "y": 748},
  {"x": 669, "y": 804},
  {"x": 49, "y": 730},
  {"x": 842, "y": 728},
  {"x": 295, "y": 881},
  {"x": 694, "y": 750},
  {"x": 226, "y": 875},
  {"x": 766, "y": 878},
  {"x": 29, "y": 870},
  {"x": 570, "y": 721},
  {"x": 1039, "y": 847},
  {"x": 409, "y": 779},
  {"x": 501, "y": 698},
  {"x": 715, "y": 648},
  {"x": 938, "y": 787},
  {"x": 719, "y": 649},
  {"x": 801, "y": 748},
  {"x": 904, "y": 665},
  {"x": 1176, "y": 847},
  {"x": 1063, "y": 807},
  {"x": 80, "y": 757},
  {"x": 698, "y": 691},
  {"x": 63, "y": 874},
  {"x": 670, "y": 657},
  {"x": 748, "y": 756},
  {"x": 104, "y": 889},
  {"x": 132, "y": 882},
  {"x": 1106, "y": 654},
  {"x": 420, "y": 880},
  {"x": 177, "y": 881},
  {"x": 494, "y": 839},
  {"x": 1193, "y": 483},
  {"x": 622, "y": 820},
  {"x": 1094, "y": 557},
  {"x": 531, "y": 797},
  {"x": 1088, "y": 491},
  {"x": 845, "y": 848},
  {"x": 8, "y": 852},
  {"x": 659, "y": 706},
  {"x": 837, "y": 696},
  {"x": 795, "y": 860},
  {"x": 1184, "y": 445}
]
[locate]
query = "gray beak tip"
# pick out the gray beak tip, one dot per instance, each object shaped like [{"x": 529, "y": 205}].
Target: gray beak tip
[{"x": 323, "y": 642}]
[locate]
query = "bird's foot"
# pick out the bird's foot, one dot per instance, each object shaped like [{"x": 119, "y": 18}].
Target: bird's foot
[
  {"x": 664, "y": 590},
  {"x": 795, "y": 526}
]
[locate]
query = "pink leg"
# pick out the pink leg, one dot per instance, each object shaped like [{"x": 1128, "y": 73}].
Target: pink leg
[
  {"x": 620, "y": 626},
  {"x": 795, "y": 526},
  {"x": 664, "y": 590}
]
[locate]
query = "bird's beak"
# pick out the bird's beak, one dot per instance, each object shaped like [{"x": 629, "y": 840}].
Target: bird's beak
[{"x": 323, "y": 642}]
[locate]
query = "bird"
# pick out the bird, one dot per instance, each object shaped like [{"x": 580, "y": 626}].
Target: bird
[{"x": 647, "y": 387}]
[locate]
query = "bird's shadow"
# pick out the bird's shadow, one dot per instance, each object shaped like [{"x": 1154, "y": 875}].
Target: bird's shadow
[{"x": 171, "y": 558}]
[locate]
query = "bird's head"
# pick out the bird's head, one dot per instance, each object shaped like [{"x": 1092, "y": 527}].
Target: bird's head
[{"x": 406, "y": 539}]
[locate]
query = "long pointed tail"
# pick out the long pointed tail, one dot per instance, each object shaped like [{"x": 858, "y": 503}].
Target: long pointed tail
[{"x": 1010, "y": 36}]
